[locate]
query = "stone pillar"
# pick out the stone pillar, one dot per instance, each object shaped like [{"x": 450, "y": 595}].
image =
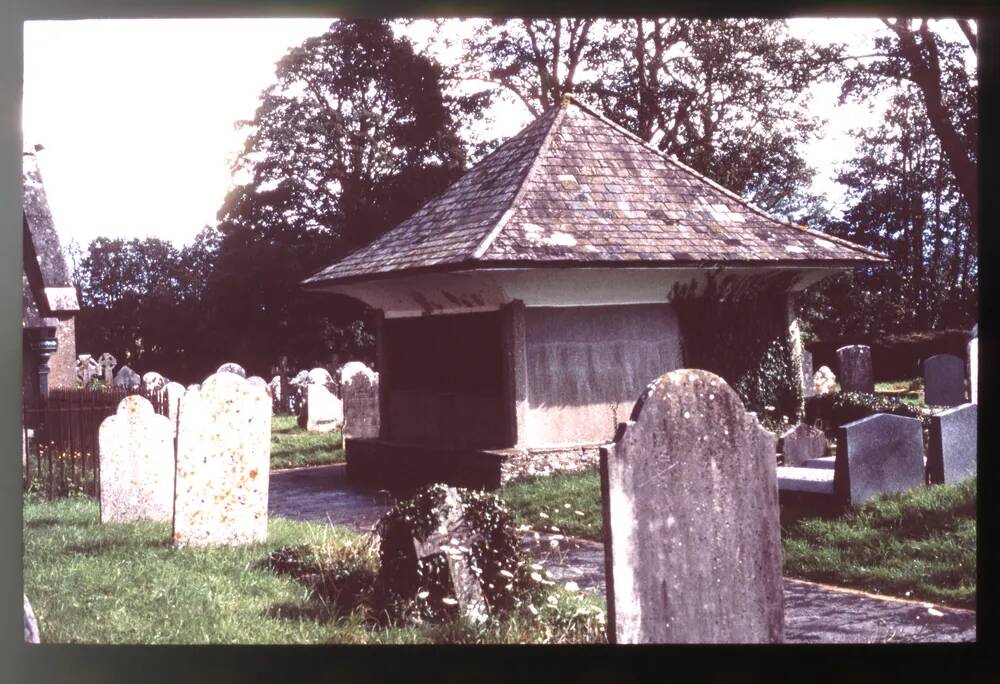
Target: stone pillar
[
  {"x": 43, "y": 342},
  {"x": 515, "y": 371},
  {"x": 797, "y": 349},
  {"x": 384, "y": 378}
]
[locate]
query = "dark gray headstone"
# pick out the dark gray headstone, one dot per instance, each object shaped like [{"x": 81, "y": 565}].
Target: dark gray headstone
[
  {"x": 880, "y": 454},
  {"x": 855, "y": 368},
  {"x": 808, "y": 388},
  {"x": 944, "y": 380},
  {"x": 692, "y": 539},
  {"x": 30, "y": 624},
  {"x": 953, "y": 445},
  {"x": 802, "y": 443}
]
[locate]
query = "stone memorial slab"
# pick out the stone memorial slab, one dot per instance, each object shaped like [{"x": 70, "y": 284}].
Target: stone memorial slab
[
  {"x": 153, "y": 381},
  {"x": 175, "y": 391},
  {"x": 944, "y": 380},
  {"x": 126, "y": 377},
  {"x": 136, "y": 447},
  {"x": 952, "y": 453},
  {"x": 973, "y": 354},
  {"x": 232, "y": 368},
  {"x": 809, "y": 388},
  {"x": 107, "y": 363},
  {"x": 802, "y": 443},
  {"x": 30, "y": 624},
  {"x": 223, "y": 463},
  {"x": 359, "y": 386},
  {"x": 692, "y": 537},
  {"x": 880, "y": 454},
  {"x": 824, "y": 381},
  {"x": 855, "y": 368},
  {"x": 324, "y": 409}
]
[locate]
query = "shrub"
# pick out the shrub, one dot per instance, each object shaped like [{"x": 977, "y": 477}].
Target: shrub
[{"x": 831, "y": 411}]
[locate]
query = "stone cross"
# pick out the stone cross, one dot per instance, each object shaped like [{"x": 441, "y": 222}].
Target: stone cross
[
  {"x": 136, "y": 451},
  {"x": 86, "y": 368},
  {"x": 107, "y": 363},
  {"x": 824, "y": 381},
  {"x": 359, "y": 386},
  {"x": 691, "y": 527},
  {"x": 232, "y": 368},
  {"x": 953, "y": 449},
  {"x": 802, "y": 443},
  {"x": 880, "y": 454},
  {"x": 454, "y": 538},
  {"x": 855, "y": 368},
  {"x": 944, "y": 380},
  {"x": 223, "y": 462}
]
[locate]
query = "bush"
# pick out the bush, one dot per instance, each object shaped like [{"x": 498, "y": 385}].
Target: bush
[{"x": 831, "y": 411}]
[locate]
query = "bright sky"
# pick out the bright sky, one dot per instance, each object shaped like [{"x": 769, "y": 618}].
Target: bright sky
[{"x": 137, "y": 116}]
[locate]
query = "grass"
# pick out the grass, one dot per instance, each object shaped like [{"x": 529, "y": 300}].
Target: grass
[
  {"x": 293, "y": 447},
  {"x": 125, "y": 584},
  {"x": 908, "y": 391},
  {"x": 920, "y": 545}
]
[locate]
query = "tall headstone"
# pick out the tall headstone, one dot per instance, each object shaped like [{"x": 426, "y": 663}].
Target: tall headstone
[
  {"x": 223, "y": 463},
  {"x": 107, "y": 363},
  {"x": 692, "y": 538},
  {"x": 944, "y": 380},
  {"x": 973, "y": 353},
  {"x": 136, "y": 447},
  {"x": 126, "y": 377},
  {"x": 951, "y": 456},
  {"x": 855, "y": 368},
  {"x": 324, "y": 409},
  {"x": 175, "y": 391},
  {"x": 232, "y": 368},
  {"x": 359, "y": 386},
  {"x": 880, "y": 454},
  {"x": 824, "y": 381},
  {"x": 153, "y": 381},
  {"x": 808, "y": 385},
  {"x": 802, "y": 443}
]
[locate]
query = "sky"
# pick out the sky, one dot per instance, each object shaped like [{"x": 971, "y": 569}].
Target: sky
[{"x": 137, "y": 116}]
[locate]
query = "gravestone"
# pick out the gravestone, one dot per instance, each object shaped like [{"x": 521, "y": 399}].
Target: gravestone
[
  {"x": 136, "y": 447},
  {"x": 174, "y": 391},
  {"x": 153, "y": 381},
  {"x": 855, "y": 368},
  {"x": 30, "y": 624},
  {"x": 951, "y": 456},
  {"x": 86, "y": 369},
  {"x": 690, "y": 502},
  {"x": 802, "y": 443},
  {"x": 232, "y": 368},
  {"x": 258, "y": 381},
  {"x": 274, "y": 390},
  {"x": 126, "y": 377},
  {"x": 324, "y": 410},
  {"x": 824, "y": 381},
  {"x": 194, "y": 386},
  {"x": 107, "y": 363},
  {"x": 880, "y": 454},
  {"x": 973, "y": 354},
  {"x": 359, "y": 386},
  {"x": 944, "y": 380},
  {"x": 319, "y": 376},
  {"x": 223, "y": 460},
  {"x": 808, "y": 388}
]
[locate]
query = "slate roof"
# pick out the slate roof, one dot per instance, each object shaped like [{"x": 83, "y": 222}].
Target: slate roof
[{"x": 573, "y": 188}]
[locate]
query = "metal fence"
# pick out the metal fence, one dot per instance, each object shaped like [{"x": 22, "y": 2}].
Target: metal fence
[{"x": 62, "y": 455}]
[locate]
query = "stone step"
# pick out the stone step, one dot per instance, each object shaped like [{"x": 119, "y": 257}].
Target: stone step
[
  {"x": 805, "y": 480},
  {"x": 824, "y": 462}
]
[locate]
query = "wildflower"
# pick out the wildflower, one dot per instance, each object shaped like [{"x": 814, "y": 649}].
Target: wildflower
[
  {"x": 543, "y": 515},
  {"x": 580, "y": 513},
  {"x": 566, "y": 506},
  {"x": 449, "y": 600},
  {"x": 535, "y": 566},
  {"x": 571, "y": 586},
  {"x": 423, "y": 594},
  {"x": 553, "y": 543}
]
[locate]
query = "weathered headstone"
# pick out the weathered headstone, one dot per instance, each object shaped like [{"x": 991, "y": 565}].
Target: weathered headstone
[
  {"x": 359, "y": 386},
  {"x": 153, "y": 381},
  {"x": 137, "y": 463},
  {"x": 973, "y": 354},
  {"x": 324, "y": 409},
  {"x": 944, "y": 380},
  {"x": 258, "y": 381},
  {"x": 808, "y": 388},
  {"x": 30, "y": 624},
  {"x": 952, "y": 452},
  {"x": 223, "y": 462},
  {"x": 880, "y": 454},
  {"x": 319, "y": 376},
  {"x": 692, "y": 538},
  {"x": 174, "y": 391},
  {"x": 232, "y": 368},
  {"x": 802, "y": 443},
  {"x": 126, "y": 377},
  {"x": 86, "y": 369},
  {"x": 824, "y": 381},
  {"x": 107, "y": 363},
  {"x": 855, "y": 368}
]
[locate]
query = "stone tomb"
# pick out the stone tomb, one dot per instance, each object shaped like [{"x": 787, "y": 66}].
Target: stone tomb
[
  {"x": 324, "y": 409},
  {"x": 944, "y": 380},
  {"x": 136, "y": 447},
  {"x": 692, "y": 538},
  {"x": 953, "y": 445},
  {"x": 126, "y": 377},
  {"x": 802, "y": 443},
  {"x": 232, "y": 368},
  {"x": 223, "y": 462},
  {"x": 855, "y": 368},
  {"x": 824, "y": 381},
  {"x": 880, "y": 454},
  {"x": 359, "y": 385}
]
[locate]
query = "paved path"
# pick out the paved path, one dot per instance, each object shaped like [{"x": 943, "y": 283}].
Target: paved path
[{"x": 813, "y": 613}]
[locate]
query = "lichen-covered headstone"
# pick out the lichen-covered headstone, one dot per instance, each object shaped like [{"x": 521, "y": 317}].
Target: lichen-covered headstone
[
  {"x": 30, "y": 624},
  {"x": 880, "y": 454},
  {"x": 107, "y": 363},
  {"x": 126, "y": 377},
  {"x": 232, "y": 368},
  {"x": 136, "y": 448},
  {"x": 808, "y": 386},
  {"x": 359, "y": 386},
  {"x": 802, "y": 443},
  {"x": 175, "y": 391},
  {"x": 324, "y": 409},
  {"x": 692, "y": 538},
  {"x": 223, "y": 462},
  {"x": 973, "y": 354},
  {"x": 944, "y": 380},
  {"x": 854, "y": 368},
  {"x": 953, "y": 449},
  {"x": 824, "y": 381}
]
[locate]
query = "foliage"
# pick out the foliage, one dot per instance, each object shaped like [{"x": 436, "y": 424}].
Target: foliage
[
  {"x": 831, "y": 411},
  {"x": 564, "y": 503},
  {"x": 895, "y": 357},
  {"x": 294, "y": 447}
]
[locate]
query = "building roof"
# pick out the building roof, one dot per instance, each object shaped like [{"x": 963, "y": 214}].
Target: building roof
[{"x": 573, "y": 188}]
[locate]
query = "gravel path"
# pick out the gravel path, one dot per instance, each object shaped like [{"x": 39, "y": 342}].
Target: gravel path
[{"x": 813, "y": 613}]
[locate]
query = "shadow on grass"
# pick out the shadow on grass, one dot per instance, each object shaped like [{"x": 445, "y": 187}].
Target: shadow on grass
[
  {"x": 100, "y": 546},
  {"x": 52, "y": 522}
]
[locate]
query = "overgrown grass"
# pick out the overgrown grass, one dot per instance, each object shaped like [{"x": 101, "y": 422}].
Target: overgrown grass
[
  {"x": 293, "y": 447},
  {"x": 125, "y": 583},
  {"x": 921, "y": 544}
]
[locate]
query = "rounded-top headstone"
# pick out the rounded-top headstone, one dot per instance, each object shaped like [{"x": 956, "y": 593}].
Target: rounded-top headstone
[
  {"x": 944, "y": 380},
  {"x": 126, "y": 377},
  {"x": 855, "y": 368},
  {"x": 352, "y": 368},
  {"x": 258, "y": 381},
  {"x": 153, "y": 381},
  {"x": 301, "y": 378},
  {"x": 193, "y": 386},
  {"x": 232, "y": 368},
  {"x": 824, "y": 381},
  {"x": 320, "y": 376}
]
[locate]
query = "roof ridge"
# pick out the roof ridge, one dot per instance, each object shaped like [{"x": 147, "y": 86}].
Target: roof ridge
[
  {"x": 575, "y": 99},
  {"x": 492, "y": 234}
]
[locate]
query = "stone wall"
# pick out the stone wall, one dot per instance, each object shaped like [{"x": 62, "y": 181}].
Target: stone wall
[{"x": 520, "y": 464}]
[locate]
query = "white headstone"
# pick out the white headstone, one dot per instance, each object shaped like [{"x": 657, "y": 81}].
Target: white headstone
[
  {"x": 324, "y": 410},
  {"x": 824, "y": 381},
  {"x": 232, "y": 368},
  {"x": 320, "y": 376},
  {"x": 153, "y": 381}
]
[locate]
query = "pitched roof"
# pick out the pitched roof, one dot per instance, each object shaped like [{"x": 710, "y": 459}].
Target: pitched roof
[{"x": 573, "y": 188}]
